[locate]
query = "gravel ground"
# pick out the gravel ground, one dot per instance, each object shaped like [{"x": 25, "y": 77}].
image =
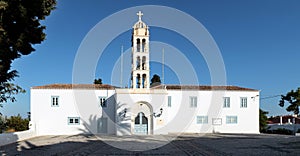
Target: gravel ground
[{"x": 186, "y": 144}]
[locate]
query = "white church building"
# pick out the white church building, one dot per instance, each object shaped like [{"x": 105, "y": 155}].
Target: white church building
[{"x": 65, "y": 109}]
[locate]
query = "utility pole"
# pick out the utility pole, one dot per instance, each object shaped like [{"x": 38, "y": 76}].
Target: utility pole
[
  {"x": 163, "y": 67},
  {"x": 121, "y": 76}
]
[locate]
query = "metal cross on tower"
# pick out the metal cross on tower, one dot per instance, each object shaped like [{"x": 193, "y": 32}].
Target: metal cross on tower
[{"x": 140, "y": 14}]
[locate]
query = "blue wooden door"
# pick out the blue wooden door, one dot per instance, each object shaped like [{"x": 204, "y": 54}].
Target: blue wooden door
[{"x": 141, "y": 124}]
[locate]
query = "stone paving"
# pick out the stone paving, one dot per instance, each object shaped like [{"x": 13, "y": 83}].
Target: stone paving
[{"x": 185, "y": 144}]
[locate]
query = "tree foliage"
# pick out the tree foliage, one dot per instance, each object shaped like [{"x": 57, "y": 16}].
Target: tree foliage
[
  {"x": 155, "y": 80},
  {"x": 20, "y": 29},
  {"x": 8, "y": 91},
  {"x": 2, "y": 124},
  {"x": 293, "y": 98},
  {"x": 17, "y": 123},
  {"x": 263, "y": 120},
  {"x": 98, "y": 81}
]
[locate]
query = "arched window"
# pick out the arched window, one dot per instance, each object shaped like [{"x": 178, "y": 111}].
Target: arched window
[
  {"x": 143, "y": 45},
  {"x": 144, "y": 63},
  {"x": 138, "y": 45},
  {"x": 140, "y": 119},
  {"x": 138, "y": 83},
  {"x": 144, "y": 81},
  {"x": 138, "y": 63}
]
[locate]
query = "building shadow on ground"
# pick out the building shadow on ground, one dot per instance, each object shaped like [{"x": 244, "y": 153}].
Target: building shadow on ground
[
  {"x": 83, "y": 144},
  {"x": 191, "y": 144}
]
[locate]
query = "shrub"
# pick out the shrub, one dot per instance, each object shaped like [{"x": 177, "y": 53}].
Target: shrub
[
  {"x": 17, "y": 123},
  {"x": 2, "y": 124}
]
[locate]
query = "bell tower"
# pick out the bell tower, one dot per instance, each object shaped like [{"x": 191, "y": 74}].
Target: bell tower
[{"x": 140, "y": 70}]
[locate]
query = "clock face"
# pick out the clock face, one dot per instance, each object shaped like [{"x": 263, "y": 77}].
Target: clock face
[{"x": 217, "y": 121}]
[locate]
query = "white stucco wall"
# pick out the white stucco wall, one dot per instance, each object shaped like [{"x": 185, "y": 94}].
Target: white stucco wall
[
  {"x": 210, "y": 104},
  {"x": 8, "y": 138},
  {"x": 181, "y": 118},
  {"x": 49, "y": 120}
]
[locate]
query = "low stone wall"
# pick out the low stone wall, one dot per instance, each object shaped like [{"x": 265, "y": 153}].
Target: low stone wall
[
  {"x": 285, "y": 126},
  {"x": 8, "y": 138}
]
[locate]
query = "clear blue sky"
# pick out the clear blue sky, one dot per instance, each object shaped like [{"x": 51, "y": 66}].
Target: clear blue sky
[{"x": 259, "y": 42}]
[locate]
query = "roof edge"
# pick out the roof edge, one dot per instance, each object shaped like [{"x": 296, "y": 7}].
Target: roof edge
[
  {"x": 75, "y": 86},
  {"x": 202, "y": 87}
]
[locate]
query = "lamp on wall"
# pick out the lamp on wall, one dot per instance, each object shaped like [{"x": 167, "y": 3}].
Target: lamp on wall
[
  {"x": 125, "y": 111},
  {"x": 158, "y": 115},
  {"x": 254, "y": 96}
]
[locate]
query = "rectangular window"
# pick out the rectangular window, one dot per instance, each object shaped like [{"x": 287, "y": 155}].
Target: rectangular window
[
  {"x": 102, "y": 101},
  {"x": 202, "y": 119},
  {"x": 169, "y": 101},
  {"x": 231, "y": 119},
  {"x": 193, "y": 101},
  {"x": 243, "y": 102},
  {"x": 73, "y": 120},
  {"x": 226, "y": 103},
  {"x": 54, "y": 101}
]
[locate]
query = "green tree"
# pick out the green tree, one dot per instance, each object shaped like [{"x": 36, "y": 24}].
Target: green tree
[
  {"x": 2, "y": 124},
  {"x": 293, "y": 98},
  {"x": 155, "y": 80},
  {"x": 7, "y": 92},
  {"x": 20, "y": 29},
  {"x": 98, "y": 81},
  {"x": 263, "y": 120},
  {"x": 17, "y": 123}
]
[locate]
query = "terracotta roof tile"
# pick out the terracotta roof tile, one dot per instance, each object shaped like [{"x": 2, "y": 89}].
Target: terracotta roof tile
[
  {"x": 169, "y": 87},
  {"x": 75, "y": 86},
  {"x": 194, "y": 87}
]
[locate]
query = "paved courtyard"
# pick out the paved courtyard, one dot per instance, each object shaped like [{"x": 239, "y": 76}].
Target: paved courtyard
[{"x": 187, "y": 144}]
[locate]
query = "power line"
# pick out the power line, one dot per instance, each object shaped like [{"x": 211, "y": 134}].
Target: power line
[{"x": 269, "y": 97}]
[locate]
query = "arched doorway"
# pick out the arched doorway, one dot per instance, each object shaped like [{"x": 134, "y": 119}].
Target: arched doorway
[
  {"x": 141, "y": 124},
  {"x": 141, "y": 118}
]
